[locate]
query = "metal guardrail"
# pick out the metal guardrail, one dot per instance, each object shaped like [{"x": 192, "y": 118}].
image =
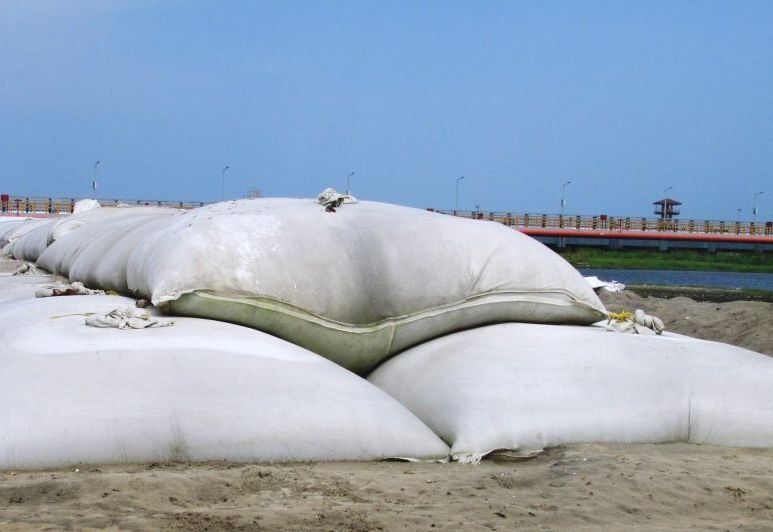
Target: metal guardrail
[
  {"x": 24, "y": 206},
  {"x": 603, "y": 222},
  {"x": 36, "y": 206}
]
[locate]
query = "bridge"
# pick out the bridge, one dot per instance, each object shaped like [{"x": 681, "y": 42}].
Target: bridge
[
  {"x": 619, "y": 232},
  {"x": 559, "y": 231}
]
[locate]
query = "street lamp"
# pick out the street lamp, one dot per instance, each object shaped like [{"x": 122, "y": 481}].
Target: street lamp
[
  {"x": 94, "y": 181},
  {"x": 665, "y": 201},
  {"x": 347, "y": 182},
  {"x": 754, "y": 210},
  {"x": 563, "y": 192},
  {"x": 222, "y": 186},
  {"x": 456, "y": 199}
]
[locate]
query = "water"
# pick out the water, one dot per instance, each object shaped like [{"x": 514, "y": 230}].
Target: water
[{"x": 758, "y": 281}]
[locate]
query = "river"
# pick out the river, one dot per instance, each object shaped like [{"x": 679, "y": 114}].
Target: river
[{"x": 758, "y": 281}]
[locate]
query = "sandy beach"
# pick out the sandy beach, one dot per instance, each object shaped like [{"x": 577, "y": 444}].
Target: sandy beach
[
  {"x": 577, "y": 487},
  {"x": 580, "y": 487}
]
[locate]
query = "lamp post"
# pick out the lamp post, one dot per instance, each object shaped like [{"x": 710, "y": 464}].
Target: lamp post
[
  {"x": 456, "y": 198},
  {"x": 563, "y": 192},
  {"x": 347, "y": 182},
  {"x": 94, "y": 181},
  {"x": 754, "y": 210},
  {"x": 665, "y": 201},
  {"x": 222, "y": 185}
]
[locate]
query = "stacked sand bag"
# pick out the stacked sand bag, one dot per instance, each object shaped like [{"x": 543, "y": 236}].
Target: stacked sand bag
[
  {"x": 6, "y": 224},
  {"x": 198, "y": 390},
  {"x": 359, "y": 283},
  {"x": 11, "y": 231},
  {"x": 30, "y": 245},
  {"x": 525, "y": 387},
  {"x": 97, "y": 253},
  {"x": 356, "y": 285}
]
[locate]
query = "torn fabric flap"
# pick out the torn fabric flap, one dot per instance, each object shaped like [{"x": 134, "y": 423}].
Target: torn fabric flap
[
  {"x": 28, "y": 269},
  {"x": 64, "y": 289},
  {"x": 330, "y": 199},
  {"x": 126, "y": 318}
]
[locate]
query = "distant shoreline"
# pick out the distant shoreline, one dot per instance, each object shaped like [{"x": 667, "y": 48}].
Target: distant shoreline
[
  {"x": 697, "y": 293},
  {"x": 677, "y": 260}
]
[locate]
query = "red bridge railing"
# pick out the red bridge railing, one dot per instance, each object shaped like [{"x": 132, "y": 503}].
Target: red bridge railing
[{"x": 603, "y": 222}]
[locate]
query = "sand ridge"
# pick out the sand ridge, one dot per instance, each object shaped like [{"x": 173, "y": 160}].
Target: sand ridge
[{"x": 742, "y": 323}]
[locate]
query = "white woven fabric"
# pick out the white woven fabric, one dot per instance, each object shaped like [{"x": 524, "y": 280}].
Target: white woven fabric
[
  {"x": 201, "y": 390},
  {"x": 526, "y": 387},
  {"x": 356, "y": 285}
]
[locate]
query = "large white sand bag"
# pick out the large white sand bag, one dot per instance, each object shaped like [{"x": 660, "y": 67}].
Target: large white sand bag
[
  {"x": 16, "y": 231},
  {"x": 97, "y": 215},
  {"x": 198, "y": 390},
  {"x": 526, "y": 387},
  {"x": 6, "y": 224},
  {"x": 30, "y": 245},
  {"x": 356, "y": 285},
  {"x": 94, "y": 248}
]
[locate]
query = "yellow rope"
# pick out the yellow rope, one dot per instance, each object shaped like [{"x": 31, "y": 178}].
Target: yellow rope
[{"x": 624, "y": 315}]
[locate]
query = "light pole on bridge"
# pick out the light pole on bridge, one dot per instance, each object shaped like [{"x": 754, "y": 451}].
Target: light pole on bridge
[
  {"x": 94, "y": 181},
  {"x": 222, "y": 184},
  {"x": 456, "y": 198},
  {"x": 563, "y": 194},
  {"x": 754, "y": 209}
]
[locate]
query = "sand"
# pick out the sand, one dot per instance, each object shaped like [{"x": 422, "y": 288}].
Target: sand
[
  {"x": 579, "y": 487},
  {"x": 746, "y": 324}
]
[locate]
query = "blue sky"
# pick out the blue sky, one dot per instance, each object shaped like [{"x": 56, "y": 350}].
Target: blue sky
[{"x": 622, "y": 98}]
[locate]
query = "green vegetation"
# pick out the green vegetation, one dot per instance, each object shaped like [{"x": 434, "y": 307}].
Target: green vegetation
[
  {"x": 723, "y": 261},
  {"x": 716, "y": 295}
]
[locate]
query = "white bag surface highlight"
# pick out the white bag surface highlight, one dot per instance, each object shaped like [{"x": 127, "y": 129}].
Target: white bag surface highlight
[
  {"x": 96, "y": 215},
  {"x": 29, "y": 246},
  {"x": 31, "y": 243},
  {"x": 29, "y": 240},
  {"x": 13, "y": 231},
  {"x": 98, "y": 252},
  {"x": 355, "y": 285},
  {"x": 201, "y": 390},
  {"x": 526, "y": 387},
  {"x": 6, "y": 225}
]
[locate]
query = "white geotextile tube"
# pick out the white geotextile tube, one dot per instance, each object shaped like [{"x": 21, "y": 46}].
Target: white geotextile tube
[
  {"x": 201, "y": 390},
  {"x": 355, "y": 285},
  {"x": 527, "y": 387},
  {"x": 13, "y": 231}
]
